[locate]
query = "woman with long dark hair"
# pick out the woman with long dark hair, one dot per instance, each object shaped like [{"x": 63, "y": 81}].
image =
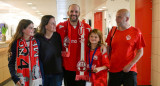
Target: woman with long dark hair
[{"x": 50, "y": 51}]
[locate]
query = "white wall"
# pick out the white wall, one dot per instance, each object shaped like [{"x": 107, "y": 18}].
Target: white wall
[
  {"x": 109, "y": 13},
  {"x": 113, "y": 7},
  {"x": 88, "y": 16}
]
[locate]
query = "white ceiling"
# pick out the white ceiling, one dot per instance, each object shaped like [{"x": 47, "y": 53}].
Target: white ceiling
[
  {"x": 58, "y": 8},
  {"x": 43, "y": 6},
  {"x": 52, "y": 7},
  {"x": 85, "y": 5}
]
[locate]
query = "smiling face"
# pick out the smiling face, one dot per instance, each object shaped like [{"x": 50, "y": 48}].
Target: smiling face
[
  {"x": 94, "y": 38},
  {"x": 29, "y": 31},
  {"x": 51, "y": 26},
  {"x": 73, "y": 13}
]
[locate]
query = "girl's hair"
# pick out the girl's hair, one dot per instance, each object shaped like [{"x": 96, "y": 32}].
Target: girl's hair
[
  {"x": 44, "y": 21},
  {"x": 99, "y": 33},
  {"x": 23, "y": 24}
]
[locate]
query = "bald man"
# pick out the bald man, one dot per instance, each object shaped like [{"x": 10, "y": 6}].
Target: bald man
[
  {"x": 74, "y": 36},
  {"x": 126, "y": 43}
]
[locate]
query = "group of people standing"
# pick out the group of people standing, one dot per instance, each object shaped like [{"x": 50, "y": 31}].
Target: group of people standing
[{"x": 74, "y": 52}]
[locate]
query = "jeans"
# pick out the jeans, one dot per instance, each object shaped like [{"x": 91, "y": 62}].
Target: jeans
[
  {"x": 53, "y": 80},
  {"x": 127, "y": 79}
]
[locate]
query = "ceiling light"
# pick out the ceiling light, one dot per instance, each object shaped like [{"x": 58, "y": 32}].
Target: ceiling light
[
  {"x": 100, "y": 9},
  {"x": 34, "y": 8},
  {"x": 29, "y": 3},
  {"x": 37, "y": 11},
  {"x": 5, "y": 5},
  {"x": 103, "y": 7}
]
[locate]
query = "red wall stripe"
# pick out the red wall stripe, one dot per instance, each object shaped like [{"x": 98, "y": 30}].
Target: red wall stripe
[
  {"x": 143, "y": 21},
  {"x": 98, "y": 20}
]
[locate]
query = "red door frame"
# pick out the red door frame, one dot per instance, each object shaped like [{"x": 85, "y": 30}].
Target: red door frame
[{"x": 98, "y": 20}]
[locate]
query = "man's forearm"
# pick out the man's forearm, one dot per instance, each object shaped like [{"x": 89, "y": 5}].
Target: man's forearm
[{"x": 139, "y": 54}]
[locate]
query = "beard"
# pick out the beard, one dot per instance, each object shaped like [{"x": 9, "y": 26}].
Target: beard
[{"x": 73, "y": 20}]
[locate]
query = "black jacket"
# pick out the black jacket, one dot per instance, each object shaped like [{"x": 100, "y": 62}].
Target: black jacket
[{"x": 50, "y": 53}]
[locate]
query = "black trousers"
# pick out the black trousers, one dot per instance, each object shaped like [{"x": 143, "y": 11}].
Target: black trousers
[
  {"x": 69, "y": 79},
  {"x": 127, "y": 79}
]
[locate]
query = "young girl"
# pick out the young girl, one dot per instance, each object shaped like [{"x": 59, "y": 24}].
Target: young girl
[
  {"x": 24, "y": 61},
  {"x": 97, "y": 63}
]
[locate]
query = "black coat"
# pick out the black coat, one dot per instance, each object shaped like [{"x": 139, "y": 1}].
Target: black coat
[{"x": 50, "y": 53}]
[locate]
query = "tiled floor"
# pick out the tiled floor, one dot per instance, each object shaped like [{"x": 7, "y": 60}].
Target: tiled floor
[{"x": 10, "y": 83}]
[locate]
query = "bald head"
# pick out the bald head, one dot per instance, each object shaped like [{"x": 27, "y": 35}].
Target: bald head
[
  {"x": 124, "y": 12},
  {"x": 122, "y": 18}
]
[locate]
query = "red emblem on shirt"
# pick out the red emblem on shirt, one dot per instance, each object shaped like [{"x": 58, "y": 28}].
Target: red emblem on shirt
[{"x": 128, "y": 37}]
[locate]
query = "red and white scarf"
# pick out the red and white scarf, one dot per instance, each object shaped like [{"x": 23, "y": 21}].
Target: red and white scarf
[
  {"x": 22, "y": 60},
  {"x": 81, "y": 63}
]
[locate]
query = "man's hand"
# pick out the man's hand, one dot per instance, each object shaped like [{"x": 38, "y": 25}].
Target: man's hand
[
  {"x": 139, "y": 54},
  {"x": 103, "y": 49},
  {"x": 127, "y": 68}
]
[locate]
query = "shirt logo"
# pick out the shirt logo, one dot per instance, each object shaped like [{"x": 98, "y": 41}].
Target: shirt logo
[
  {"x": 128, "y": 37},
  {"x": 105, "y": 56},
  {"x": 95, "y": 57},
  {"x": 60, "y": 26}
]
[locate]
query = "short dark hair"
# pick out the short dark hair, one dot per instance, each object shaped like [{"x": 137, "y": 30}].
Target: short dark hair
[{"x": 74, "y": 4}]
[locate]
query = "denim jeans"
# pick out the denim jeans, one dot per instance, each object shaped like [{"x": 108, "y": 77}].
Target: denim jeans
[{"x": 53, "y": 80}]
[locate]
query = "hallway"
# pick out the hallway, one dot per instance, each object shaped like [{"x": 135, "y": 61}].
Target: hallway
[{"x": 10, "y": 13}]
